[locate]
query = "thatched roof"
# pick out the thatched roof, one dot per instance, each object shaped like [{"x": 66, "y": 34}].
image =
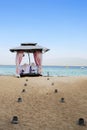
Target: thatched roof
[{"x": 29, "y": 47}]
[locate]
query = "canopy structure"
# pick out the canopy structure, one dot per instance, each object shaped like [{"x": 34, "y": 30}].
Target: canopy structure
[
  {"x": 37, "y": 53},
  {"x": 29, "y": 47}
]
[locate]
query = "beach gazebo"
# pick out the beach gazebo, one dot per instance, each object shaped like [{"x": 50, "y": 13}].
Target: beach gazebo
[{"x": 37, "y": 53}]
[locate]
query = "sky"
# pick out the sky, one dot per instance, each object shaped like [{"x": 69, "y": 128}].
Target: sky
[{"x": 60, "y": 25}]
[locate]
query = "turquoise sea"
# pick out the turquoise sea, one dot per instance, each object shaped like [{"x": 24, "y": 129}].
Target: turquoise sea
[{"x": 52, "y": 70}]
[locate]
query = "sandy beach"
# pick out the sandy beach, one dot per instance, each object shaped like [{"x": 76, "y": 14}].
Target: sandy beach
[{"x": 41, "y": 108}]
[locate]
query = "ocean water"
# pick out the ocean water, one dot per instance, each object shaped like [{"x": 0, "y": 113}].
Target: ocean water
[{"x": 51, "y": 70}]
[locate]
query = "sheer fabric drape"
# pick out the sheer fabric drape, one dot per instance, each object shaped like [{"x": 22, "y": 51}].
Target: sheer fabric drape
[
  {"x": 19, "y": 57},
  {"x": 38, "y": 60}
]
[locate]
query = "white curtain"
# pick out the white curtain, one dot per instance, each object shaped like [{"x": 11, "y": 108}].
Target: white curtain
[
  {"x": 38, "y": 60},
  {"x": 19, "y": 57}
]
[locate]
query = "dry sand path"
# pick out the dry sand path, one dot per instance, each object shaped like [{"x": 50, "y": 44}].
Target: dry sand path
[{"x": 41, "y": 108}]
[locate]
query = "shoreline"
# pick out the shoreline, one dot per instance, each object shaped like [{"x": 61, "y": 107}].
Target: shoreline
[{"x": 44, "y": 76}]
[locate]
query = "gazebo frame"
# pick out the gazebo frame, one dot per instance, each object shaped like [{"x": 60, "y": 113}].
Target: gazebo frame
[{"x": 29, "y": 48}]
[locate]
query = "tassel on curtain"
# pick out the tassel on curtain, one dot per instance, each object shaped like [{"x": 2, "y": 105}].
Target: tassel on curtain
[
  {"x": 38, "y": 60},
  {"x": 19, "y": 57}
]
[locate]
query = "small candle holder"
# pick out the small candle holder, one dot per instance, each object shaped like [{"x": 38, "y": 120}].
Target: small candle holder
[
  {"x": 19, "y": 99},
  {"x": 14, "y": 120}
]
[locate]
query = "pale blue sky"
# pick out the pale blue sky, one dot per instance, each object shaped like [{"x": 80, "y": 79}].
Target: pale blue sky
[{"x": 60, "y": 25}]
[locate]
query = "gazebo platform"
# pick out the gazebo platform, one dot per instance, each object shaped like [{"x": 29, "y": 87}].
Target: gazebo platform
[{"x": 30, "y": 75}]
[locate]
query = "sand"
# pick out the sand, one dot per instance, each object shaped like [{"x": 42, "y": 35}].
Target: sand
[{"x": 41, "y": 108}]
